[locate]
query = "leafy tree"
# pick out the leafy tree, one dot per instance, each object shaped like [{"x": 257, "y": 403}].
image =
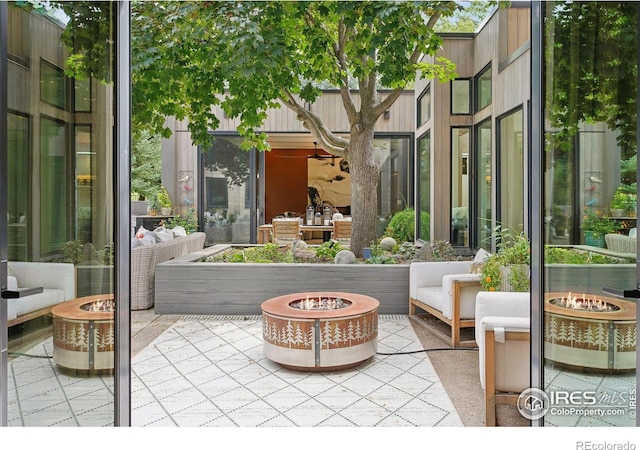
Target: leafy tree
[
  {"x": 593, "y": 47},
  {"x": 467, "y": 17},
  {"x": 146, "y": 164},
  {"x": 250, "y": 56}
]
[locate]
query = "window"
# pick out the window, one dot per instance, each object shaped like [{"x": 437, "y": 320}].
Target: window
[
  {"x": 394, "y": 184},
  {"x": 53, "y": 185},
  {"x": 52, "y": 85},
  {"x": 82, "y": 97},
  {"x": 424, "y": 186},
  {"x": 484, "y": 172},
  {"x": 424, "y": 106},
  {"x": 461, "y": 96},
  {"x": 217, "y": 193},
  {"x": 511, "y": 162},
  {"x": 483, "y": 88},
  {"x": 85, "y": 176},
  {"x": 460, "y": 147}
]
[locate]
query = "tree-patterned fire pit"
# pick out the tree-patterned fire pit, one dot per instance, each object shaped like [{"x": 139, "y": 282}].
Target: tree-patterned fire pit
[
  {"x": 586, "y": 331},
  {"x": 320, "y": 331},
  {"x": 84, "y": 333}
]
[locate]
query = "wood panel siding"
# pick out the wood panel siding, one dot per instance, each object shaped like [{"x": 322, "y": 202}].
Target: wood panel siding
[{"x": 329, "y": 107}]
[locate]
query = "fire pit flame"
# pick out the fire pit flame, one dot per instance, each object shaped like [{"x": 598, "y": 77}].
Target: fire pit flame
[
  {"x": 320, "y": 303},
  {"x": 106, "y": 305},
  {"x": 584, "y": 304}
]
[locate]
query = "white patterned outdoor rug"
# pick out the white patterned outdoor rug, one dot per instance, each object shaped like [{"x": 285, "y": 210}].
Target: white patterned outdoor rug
[{"x": 209, "y": 371}]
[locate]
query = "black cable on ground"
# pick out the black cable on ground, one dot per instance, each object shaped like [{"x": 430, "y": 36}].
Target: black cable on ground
[
  {"x": 29, "y": 356},
  {"x": 428, "y": 350}
]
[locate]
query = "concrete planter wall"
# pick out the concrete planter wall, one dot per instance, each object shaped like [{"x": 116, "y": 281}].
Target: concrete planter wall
[
  {"x": 588, "y": 278},
  {"x": 187, "y": 286}
]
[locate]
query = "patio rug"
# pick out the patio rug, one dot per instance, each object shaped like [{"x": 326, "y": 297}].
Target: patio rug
[{"x": 210, "y": 371}]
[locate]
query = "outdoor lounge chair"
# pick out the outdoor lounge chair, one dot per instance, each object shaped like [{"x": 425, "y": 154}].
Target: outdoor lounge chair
[
  {"x": 285, "y": 231},
  {"x": 503, "y": 335},
  {"x": 447, "y": 291}
]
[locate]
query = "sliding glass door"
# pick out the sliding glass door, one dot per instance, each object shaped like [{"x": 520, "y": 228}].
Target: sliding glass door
[{"x": 57, "y": 216}]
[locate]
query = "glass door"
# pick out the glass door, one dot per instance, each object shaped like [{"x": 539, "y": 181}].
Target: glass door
[
  {"x": 589, "y": 304},
  {"x": 57, "y": 327}
]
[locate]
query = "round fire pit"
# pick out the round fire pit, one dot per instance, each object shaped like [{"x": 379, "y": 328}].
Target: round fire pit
[
  {"x": 590, "y": 331},
  {"x": 320, "y": 331},
  {"x": 84, "y": 333}
]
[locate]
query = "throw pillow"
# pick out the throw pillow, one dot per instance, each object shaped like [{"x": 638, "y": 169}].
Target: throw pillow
[
  {"x": 478, "y": 260},
  {"x": 164, "y": 234},
  {"x": 179, "y": 231},
  {"x": 152, "y": 234},
  {"x": 141, "y": 232}
]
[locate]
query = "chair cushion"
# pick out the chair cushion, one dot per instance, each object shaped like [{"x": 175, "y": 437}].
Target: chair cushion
[
  {"x": 48, "y": 297},
  {"x": 467, "y": 295},
  {"x": 431, "y": 295},
  {"x": 512, "y": 360}
]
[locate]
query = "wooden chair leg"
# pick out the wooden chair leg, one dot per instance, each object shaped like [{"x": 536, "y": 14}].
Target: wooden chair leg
[
  {"x": 455, "y": 320},
  {"x": 489, "y": 379}
]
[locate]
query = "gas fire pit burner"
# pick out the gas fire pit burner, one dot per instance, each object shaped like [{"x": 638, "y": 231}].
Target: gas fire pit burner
[{"x": 320, "y": 331}]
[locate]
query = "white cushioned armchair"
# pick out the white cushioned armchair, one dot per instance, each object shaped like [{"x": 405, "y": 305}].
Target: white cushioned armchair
[
  {"x": 447, "y": 291},
  {"x": 503, "y": 337}
]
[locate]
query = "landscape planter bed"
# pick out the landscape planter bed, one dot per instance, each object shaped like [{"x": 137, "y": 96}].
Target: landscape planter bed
[
  {"x": 187, "y": 285},
  {"x": 588, "y": 278}
]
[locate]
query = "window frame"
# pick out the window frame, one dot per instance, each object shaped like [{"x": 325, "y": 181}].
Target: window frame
[
  {"x": 477, "y": 91},
  {"x": 469, "y": 109}
]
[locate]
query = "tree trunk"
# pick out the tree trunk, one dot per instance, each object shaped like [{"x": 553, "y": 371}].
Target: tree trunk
[{"x": 365, "y": 174}]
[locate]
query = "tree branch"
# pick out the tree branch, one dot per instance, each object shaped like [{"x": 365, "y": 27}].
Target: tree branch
[
  {"x": 345, "y": 93},
  {"x": 329, "y": 141}
]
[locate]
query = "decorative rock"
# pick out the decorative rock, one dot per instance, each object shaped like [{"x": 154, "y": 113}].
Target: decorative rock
[
  {"x": 345, "y": 257},
  {"x": 388, "y": 243},
  {"x": 300, "y": 249}
]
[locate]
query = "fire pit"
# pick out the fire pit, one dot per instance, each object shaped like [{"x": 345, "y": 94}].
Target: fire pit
[
  {"x": 320, "y": 331},
  {"x": 84, "y": 334},
  {"x": 587, "y": 331}
]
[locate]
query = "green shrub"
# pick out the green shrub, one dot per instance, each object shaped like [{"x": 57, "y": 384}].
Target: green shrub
[
  {"x": 402, "y": 226},
  {"x": 558, "y": 255},
  {"x": 188, "y": 221},
  {"x": 328, "y": 250}
]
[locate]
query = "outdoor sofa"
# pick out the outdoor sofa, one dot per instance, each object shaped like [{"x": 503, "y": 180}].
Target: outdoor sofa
[{"x": 147, "y": 252}]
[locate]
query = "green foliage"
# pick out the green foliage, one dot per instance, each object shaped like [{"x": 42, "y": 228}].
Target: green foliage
[
  {"x": 77, "y": 252},
  {"x": 328, "y": 250},
  {"x": 514, "y": 253},
  {"x": 595, "y": 68},
  {"x": 163, "y": 198},
  {"x": 193, "y": 58},
  {"x": 188, "y": 221},
  {"x": 154, "y": 204},
  {"x": 401, "y": 253},
  {"x": 443, "y": 251},
  {"x": 146, "y": 164},
  {"x": 598, "y": 224},
  {"x": 402, "y": 225},
  {"x": 72, "y": 252},
  {"x": 624, "y": 198},
  {"x": 559, "y": 255},
  {"x": 466, "y": 20},
  {"x": 380, "y": 256}
]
